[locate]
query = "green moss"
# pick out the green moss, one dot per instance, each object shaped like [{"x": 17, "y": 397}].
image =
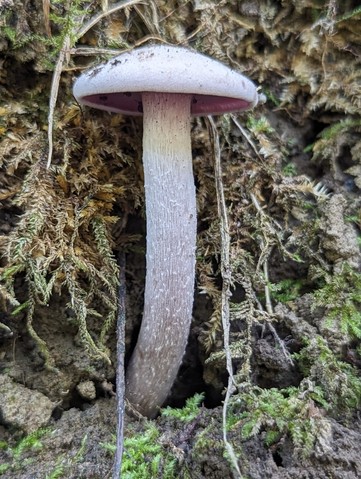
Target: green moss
[
  {"x": 286, "y": 290},
  {"x": 144, "y": 456},
  {"x": 340, "y": 296},
  {"x": 26, "y": 452},
  {"x": 28, "y": 445},
  {"x": 63, "y": 20},
  {"x": 58, "y": 472},
  {"x": 4, "y": 468},
  {"x": 339, "y": 381},
  {"x": 64, "y": 246},
  {"x": 259, "y": 125},
  {"x": 31, "y": 441},
  {"x": 335, "y": 129},
  {"x": 189, "y": 412},
  {"x": 329, "y": 385},
  {"x": 281, "y": 413},
  {"x": 289, "y": 169}
]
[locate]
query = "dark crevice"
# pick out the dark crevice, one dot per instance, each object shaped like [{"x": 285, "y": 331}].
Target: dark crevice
[{"x": 277, "y": 459}]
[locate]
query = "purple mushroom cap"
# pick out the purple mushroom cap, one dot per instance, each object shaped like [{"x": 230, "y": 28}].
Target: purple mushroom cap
[{"x": 118, "y": 85}]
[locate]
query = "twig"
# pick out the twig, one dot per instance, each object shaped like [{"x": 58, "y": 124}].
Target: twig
[
  {"x": 225, "y": 242},
  {"x": 120, "y": 367},
  {"x": 229, "y": 448},
  {"x": 54, "y": 94},
  {"x": 99, "y": 16},
  {"x": 226, "y": 284},
  {"x": 90, "y": 51},
  {"x": 269, "y": 306},
  {"x": 246, "y": 135}
]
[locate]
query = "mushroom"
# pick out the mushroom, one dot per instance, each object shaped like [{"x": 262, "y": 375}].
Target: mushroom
[{"x": 167, "y": 85}]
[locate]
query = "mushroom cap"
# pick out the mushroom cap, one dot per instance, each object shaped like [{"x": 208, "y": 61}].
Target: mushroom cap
[{"x": 117, "y": 85}]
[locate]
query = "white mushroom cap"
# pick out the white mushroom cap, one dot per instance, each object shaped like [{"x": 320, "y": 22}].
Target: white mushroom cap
[{"x": 118, "y": 84}]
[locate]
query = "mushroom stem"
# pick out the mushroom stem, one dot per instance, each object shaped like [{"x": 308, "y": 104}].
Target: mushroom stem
[{"x": 171, "y": 243}]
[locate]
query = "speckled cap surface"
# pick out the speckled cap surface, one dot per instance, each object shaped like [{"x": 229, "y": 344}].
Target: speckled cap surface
[{"x": 117, "y": 85}]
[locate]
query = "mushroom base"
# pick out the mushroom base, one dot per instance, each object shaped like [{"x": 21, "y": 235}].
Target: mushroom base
[{"x": 170, "y": 259}]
